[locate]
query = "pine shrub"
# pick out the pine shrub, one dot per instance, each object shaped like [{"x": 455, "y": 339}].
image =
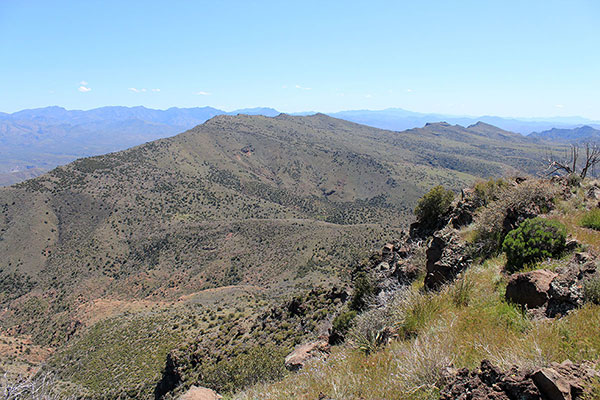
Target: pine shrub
[{"x": 533, "y": 240}]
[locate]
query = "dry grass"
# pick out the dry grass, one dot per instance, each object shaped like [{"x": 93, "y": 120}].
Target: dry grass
[{"x": 444, "y": 332}]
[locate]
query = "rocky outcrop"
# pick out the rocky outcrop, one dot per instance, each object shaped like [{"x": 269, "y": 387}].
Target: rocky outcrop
[
  {"x": 553, "y": 293},
  {"x": 530, "y": 289},
  {"x": 200, "y": 393},
  {"x": 565, "y": 381},
  {"x": 395, "y": 264},
  {"x": 171, "y": 376},
  {"x": 464, "y": 211},
  {"x": 565, "y": 291},
  {"x": 447, "y": 256},
  {"x": 301, "y": 354},
  {"x": 488, "y": 382}
]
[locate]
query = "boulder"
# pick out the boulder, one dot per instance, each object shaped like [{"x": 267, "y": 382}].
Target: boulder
[
  {"x": 447, "y": 256},
  {"x": 564, "y": 295},
  {"x": 552, "y": 384},
  {"x": 387, "y": 251},
  {"x": 530, "y": 289},
  {"x": 564, "y": 381},
  {"x": 489, "y": 382},
  {"x": 406, "y": 272},
  {"x": 200, "y": 393},
  {"x": 301, "y": 354}
]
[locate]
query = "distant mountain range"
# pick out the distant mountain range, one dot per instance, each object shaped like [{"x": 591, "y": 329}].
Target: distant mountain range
[
  {"x": 398, "y": 119},
  {"x": 575, "y": 135},
  {"x": 37, "y": 140}
]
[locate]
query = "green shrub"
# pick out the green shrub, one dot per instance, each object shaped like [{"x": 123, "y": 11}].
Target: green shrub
[
  {"x": 574, "y": 180},
  {"x": 258, "y": 364},
  {"x": 591, "y": 219},
  {"x": 514, "y": 205},
  {"x": 591, "y": 290},
  {"x": 364, "y": 290},
  {"x": 434, "y": 205},
  {"x": 342, "y": 323},
  {"x": 535, "y": 239}
]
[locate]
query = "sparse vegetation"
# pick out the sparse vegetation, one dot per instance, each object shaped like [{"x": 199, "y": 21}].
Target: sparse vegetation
[
  {"x": 591, "y": 290},
  {"x": 514, "y": 205},
  {"x": 192, "y": 246},
  {"x": 591, "y": 219}
]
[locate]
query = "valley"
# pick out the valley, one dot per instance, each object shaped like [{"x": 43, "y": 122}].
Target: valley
[{"x": 196, "y": 239}]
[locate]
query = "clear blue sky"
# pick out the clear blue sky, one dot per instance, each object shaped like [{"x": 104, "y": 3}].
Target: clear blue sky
[{"x": 508, "y": 58}]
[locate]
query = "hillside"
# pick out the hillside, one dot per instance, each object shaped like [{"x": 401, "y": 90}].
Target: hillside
[
  {"x": 234, "y": 216},
  {"x": 35, "y": 141},
  {"x": 575, "y": 135},
  {"x": 446, "y": 319}
]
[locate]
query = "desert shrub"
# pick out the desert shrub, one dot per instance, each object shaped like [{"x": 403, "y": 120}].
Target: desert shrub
[
  {"x": 574, "y": 180},
  {"x": 341, "y": 324},
  {"x": 591, "y": 219},
  {"x": 514, "y": 205},
  {"x": 591, "y": 290},
  {"x": 371, "y": 341},
  {"x": 534, "y": 240},
  {"x": 489, "y": 191},
  {"x": 258, "y": 364},
  {"x": 434, "y": 205},
  {"x": 363, "y": 292},
  {"x": 372, "y": 328}
]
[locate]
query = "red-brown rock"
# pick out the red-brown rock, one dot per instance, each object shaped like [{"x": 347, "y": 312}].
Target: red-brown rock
[
  {"x": 530, "y": 289},
  {"x": 301, "y": 354}
]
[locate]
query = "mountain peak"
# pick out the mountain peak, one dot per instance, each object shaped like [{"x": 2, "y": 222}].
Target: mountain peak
[{"x": 480, "y": 124}]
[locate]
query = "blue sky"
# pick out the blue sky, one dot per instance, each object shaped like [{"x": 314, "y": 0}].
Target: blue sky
[{"x": 510, "y": 58}]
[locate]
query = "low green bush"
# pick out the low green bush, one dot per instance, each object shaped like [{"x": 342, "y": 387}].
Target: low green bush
[
  {"x": 533, "y": 240},
  {"x": 342, "y": 323},
  {"x": 514, "y": 205},
  {"x": 591, "y": 219},
  {"x": 434, "y": 205},
  {"x": 364, "y": 290}
]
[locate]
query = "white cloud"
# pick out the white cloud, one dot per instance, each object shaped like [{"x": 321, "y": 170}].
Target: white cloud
[
  {"x": 284, "y": 87},
  {"x": 409, "y": 90},
  {"x": 84, "y": 89},
  {"x": 559, "y": 106},
  {"x": 302, "y": 87},
  {"x": 201, "y": 93},
  {"x": 369, "y": 96},
  {"x": 137, "y": 90},
  {"x": 156, "y": 90},
  {"x": 83, "y": 83}
]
